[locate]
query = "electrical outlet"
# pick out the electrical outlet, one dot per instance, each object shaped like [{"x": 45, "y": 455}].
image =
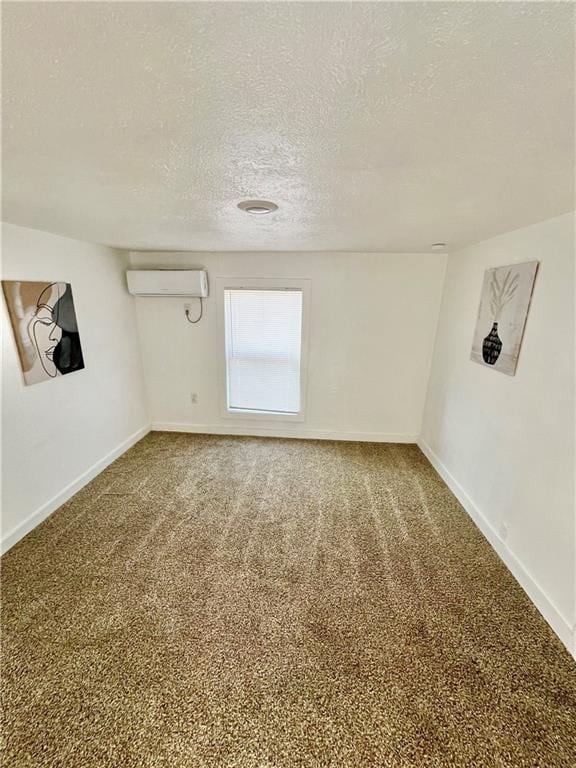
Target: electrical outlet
[
  {"x": 503, "y": 531},
  {"x": 187, "y": 307},
  {"x": 194, "y": 398}
]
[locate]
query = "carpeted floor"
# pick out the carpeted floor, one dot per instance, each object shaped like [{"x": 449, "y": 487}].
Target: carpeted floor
[{"x": 264, "y": 603}]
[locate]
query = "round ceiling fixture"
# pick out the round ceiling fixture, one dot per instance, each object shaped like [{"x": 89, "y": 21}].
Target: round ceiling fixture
[
  {"x": 257, "y": 207},
  {"x": 438, "y": 246}
]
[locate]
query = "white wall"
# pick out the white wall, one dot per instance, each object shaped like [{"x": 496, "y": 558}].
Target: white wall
[
  {"x": 372, "y": 325},
  {"x": 57, "y": 434},
  {"x": 506, "y": 444}
]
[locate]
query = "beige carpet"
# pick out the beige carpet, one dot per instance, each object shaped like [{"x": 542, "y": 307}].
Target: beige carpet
[{"x": 260, "y": 603}]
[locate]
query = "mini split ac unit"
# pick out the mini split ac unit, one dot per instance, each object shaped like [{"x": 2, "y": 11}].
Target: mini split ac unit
[{"x": 168, "y": 282}]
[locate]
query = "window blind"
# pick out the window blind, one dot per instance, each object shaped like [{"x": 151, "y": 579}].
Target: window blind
[{"x": 263, "y": 349}]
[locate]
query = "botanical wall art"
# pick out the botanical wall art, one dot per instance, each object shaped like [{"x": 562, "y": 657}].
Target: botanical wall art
[
  {"x": 504, "y": 302},
  {"x": 45, "y": 328}
]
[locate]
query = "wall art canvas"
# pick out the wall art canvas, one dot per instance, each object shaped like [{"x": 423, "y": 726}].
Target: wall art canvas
[
  {"x": 44, "y": 323},
  {"x": 504, "y": 303}
]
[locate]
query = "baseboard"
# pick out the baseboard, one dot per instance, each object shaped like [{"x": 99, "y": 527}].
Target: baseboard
[
  {"x": 297, "y": 432},
  {"x": 545, "y": 606},
  {"x": 66, "y": 493}
]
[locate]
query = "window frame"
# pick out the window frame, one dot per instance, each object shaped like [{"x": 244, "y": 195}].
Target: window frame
[{"x": 255, "y": 284}]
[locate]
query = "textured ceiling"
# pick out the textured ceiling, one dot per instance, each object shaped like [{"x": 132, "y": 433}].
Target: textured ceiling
[{"x": 374, "y": 126}]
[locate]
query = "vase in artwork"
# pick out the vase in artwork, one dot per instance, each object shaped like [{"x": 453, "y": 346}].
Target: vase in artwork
[{"x": 492, "y": 346}]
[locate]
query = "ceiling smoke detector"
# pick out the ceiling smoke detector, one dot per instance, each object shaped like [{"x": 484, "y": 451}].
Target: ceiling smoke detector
[{"x": 257, "y": 207}]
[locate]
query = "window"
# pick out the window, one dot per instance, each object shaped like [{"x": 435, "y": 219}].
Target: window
[{"x": 263, "y": 333}]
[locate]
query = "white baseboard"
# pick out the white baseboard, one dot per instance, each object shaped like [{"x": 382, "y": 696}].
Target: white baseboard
[
  {"x": 66, "y": 493},
  {"x": 298, "y": 432},
  {"x": 559, "y": 624},
  {"x": 545, "y": 606}
]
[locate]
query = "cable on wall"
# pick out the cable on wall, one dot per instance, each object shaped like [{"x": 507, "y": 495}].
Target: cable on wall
[{"x": 187, "y": 313}]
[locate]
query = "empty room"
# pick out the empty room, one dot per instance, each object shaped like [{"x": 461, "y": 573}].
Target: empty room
[{"x": 288, "y": 419}]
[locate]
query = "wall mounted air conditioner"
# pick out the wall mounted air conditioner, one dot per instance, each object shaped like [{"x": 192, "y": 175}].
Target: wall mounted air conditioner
[{"x": 168, "y": 282}]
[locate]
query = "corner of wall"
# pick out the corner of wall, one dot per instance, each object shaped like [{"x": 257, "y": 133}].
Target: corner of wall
[{"x": 432, "y": 349}]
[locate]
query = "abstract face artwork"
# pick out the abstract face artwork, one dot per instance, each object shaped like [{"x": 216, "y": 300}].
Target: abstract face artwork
[
  {"x": 504, "y": 303},
  {"x": 45, "y": 328}
]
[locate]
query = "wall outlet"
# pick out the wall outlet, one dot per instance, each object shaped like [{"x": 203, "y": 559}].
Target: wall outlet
[
  {"x": 194, "y": 398},
  {"x": 503, "y": 531}
]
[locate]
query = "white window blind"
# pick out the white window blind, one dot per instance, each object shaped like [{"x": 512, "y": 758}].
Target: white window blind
[{"x": 263, "y": 349}]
